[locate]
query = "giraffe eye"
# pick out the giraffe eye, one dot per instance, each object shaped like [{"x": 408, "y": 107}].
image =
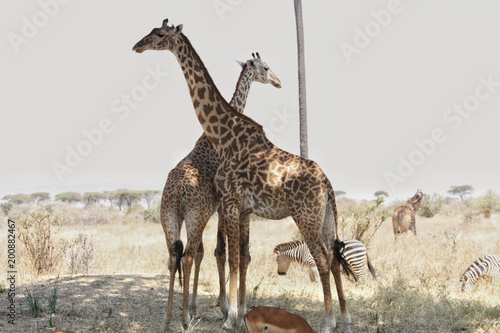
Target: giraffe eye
[
  {"x": 266, "y": 68},
  {"x": 160, "y": 35}
]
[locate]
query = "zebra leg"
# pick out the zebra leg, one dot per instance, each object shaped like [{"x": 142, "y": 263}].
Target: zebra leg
[{"x": 314, "y": 274}]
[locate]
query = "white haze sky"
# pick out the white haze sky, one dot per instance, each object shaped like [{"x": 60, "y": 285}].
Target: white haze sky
[{"x": 365, "y": 114}]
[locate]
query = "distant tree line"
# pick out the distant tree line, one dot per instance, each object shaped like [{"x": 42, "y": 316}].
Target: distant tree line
[{"x": 122, "y": 198}]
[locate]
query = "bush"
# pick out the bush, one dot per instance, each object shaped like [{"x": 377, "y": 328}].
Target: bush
[
  {"x": 364, "y": 218},
  {"x": 80, "y": 255},
  {"x": 153, "y": 214},
  {"x": 19, "y": 211},
  {"x": 43, "y": 250},
  {"x": 471, "y": 211},
  {"x": 431, "y": 205}
]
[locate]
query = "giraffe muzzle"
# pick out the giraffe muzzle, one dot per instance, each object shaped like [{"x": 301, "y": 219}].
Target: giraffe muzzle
[{"x": 137, "y": 49}]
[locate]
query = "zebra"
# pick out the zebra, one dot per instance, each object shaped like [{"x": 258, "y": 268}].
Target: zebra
[
  {"x": 296, "y": 251},
  {"x": 487, "y": 265}
]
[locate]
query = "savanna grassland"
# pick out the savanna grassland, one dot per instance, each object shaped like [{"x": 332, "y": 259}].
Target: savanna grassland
[{"x": 124, "y": 285}]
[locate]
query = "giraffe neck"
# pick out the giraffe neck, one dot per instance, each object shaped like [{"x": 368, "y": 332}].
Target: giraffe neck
[
  {"x": 240, "y": 95},
  {"x": 221, "y": 123}
]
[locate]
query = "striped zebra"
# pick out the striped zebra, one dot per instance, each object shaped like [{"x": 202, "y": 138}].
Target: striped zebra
[
  {"x": 487, "y": 265},
  {"x": 353, "y": 251}
]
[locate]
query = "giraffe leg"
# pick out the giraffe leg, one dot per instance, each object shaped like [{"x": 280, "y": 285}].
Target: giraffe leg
[
  {"x": 220, "y": 255},
  {"x": 324, "y": 274},
  {"x": 244, "y": 262},
  {"x": 346, "y": 317},
  {"x": 412, "y": 226},
  {"x": 187, "y": 263},
  {"x": 231, "y": 217},
  {"x": 171, "y": 268},
  {"x": 195, "y": 224},
  {"x": 193, "y": 307},
  {"x": 312, "y": 232},
  {"x": 171, "y": 224}
]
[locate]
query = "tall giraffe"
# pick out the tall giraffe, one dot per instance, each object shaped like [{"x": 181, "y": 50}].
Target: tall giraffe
[
  {"x": 255, "y": 176},
  {"x": 189, "y": 196}
]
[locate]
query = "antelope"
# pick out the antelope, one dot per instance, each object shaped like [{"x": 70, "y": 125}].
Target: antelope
[{"x": 273, "y": 320}]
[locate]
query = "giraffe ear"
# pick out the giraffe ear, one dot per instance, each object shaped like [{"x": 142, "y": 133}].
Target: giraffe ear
[
  {"x": 242, "y": 64},
  {"x": 178, "y": 28}
]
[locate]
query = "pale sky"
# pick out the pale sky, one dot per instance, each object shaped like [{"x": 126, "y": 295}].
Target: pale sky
[{"x": 401, "y": 94}]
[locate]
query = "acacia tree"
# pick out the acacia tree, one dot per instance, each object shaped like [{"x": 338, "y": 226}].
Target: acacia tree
[
  {"x": 461, "y": 191},
  {"x": 339, "y": 193},
  {"x": 93, "y": 198},
  {"x": 127, "y": 198},
  {"x": 469, "y": 211},
  {"x": 40, "y": 196},
  {"x": 381, "y": 194},
  {"x": 69, "y": 197},
  {"x": 304, "y": 150},
  {"x": 133, "y": 197},
  {"x": 17, "y": 199},
  {"x": 110, "y": 196},
  {"x": 149, "y": 196}
]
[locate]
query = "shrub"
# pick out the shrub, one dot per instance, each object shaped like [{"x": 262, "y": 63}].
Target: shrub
[
  {"x": 43, "y": 249},
  {"x": 431, "y": 205},
  {"x": 6, "y": 207},
  {"x": 152, "y": 214},
  {"x": 80, "y": 255},
  {"x": 471, "y": 211},
  {"x": 365, "y": 218}
]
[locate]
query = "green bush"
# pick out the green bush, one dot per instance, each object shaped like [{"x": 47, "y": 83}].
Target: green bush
[{"x": 431, "y": 205}]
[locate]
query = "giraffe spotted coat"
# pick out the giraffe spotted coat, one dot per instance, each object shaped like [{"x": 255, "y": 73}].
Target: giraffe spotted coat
[{"x": 255, "y": 176}]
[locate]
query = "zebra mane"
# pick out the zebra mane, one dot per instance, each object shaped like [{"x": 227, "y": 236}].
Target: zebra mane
[{"x": 288, "y": 245}]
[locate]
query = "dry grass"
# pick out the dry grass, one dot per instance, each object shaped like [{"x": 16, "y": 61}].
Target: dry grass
[{"x": 417, "y": 288}]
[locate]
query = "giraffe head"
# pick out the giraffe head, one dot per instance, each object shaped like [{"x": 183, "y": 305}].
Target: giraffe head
[
  {"x": 163, "y": 38},
  {"x": 261, "y": 71},
  {"x": 417, "y": 199}
]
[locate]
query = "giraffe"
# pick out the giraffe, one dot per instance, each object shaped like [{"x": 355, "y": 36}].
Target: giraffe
[
  {"x": 255, "y": 176},
  {"x": 404, "y": 216},
  {"x": 189, "y": 195}
]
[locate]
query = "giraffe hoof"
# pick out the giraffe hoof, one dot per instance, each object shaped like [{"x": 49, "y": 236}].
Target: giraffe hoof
[{"x": 228, "y": 325}]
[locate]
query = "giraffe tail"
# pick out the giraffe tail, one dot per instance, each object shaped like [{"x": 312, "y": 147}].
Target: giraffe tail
[
  {"x": 338, "y": 248},
  {"x": 331, "y": 197},
  {"x": 179, "y": 249}
]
